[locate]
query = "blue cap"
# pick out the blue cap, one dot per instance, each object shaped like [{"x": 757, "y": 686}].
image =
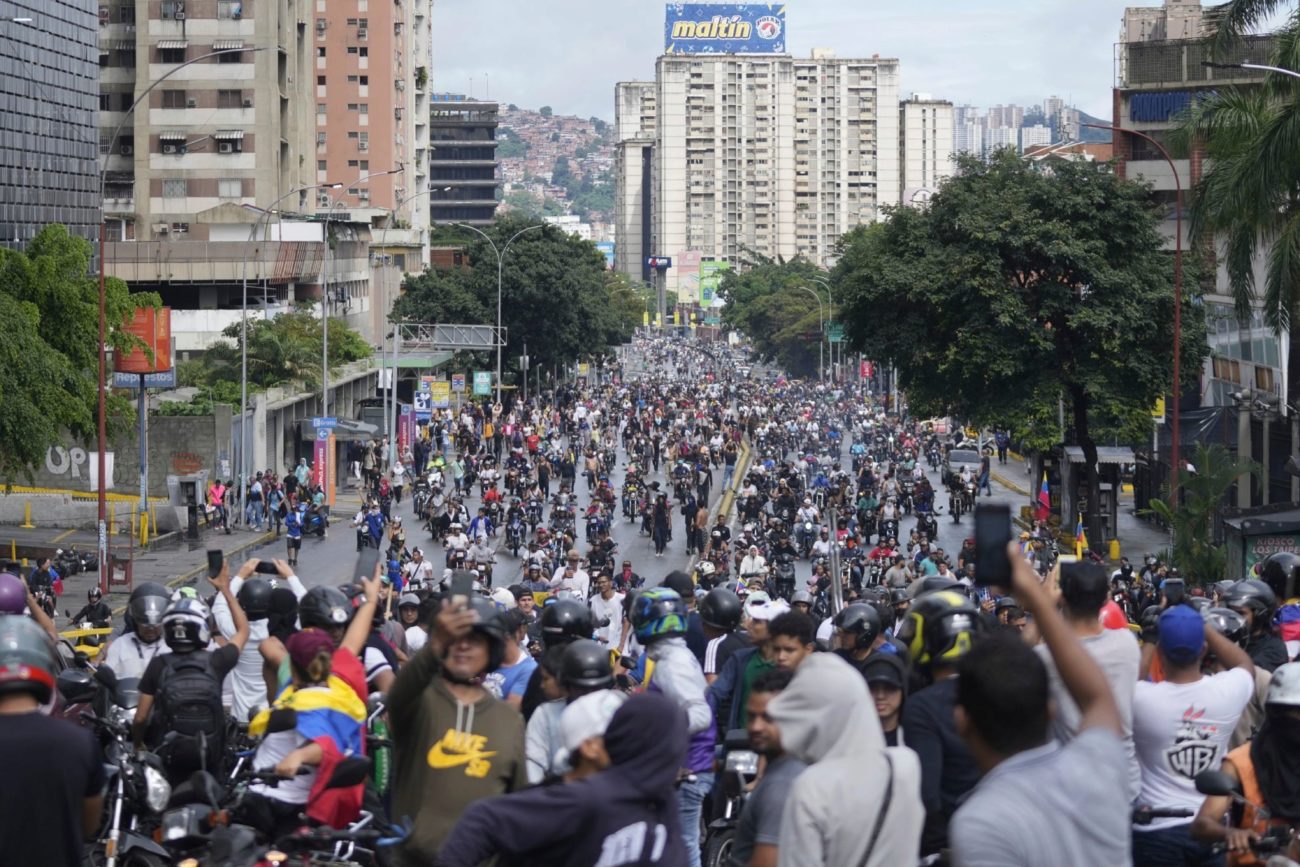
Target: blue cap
[{"x": 1182, "y": 634}]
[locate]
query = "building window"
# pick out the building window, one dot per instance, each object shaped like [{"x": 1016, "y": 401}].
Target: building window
[
  {"x": 230, "y": 9},
  {"x": 171, "y": 7},
  {"x": 365, "y": 52},
  {"x": 352, "y": 79},
  {"x": 363, "y": 22},
  {"x": 352, "y": 164},
  {"x": 230, "y": 188},
  {"x": 230, "y": 57},
  {"x": 320, "y": 51},
  {"x": 175, "y": 188},
  {"x": 320, "y": 109},
  {"x": 365, "y": 109},
  {"x": 352, "y": 49},
  {"x": 320, "y": 139},
  {"x": 320, "y": 80},
  {"x": 171, "y": 55},
  {"x": 352, "y": 134},
  {"x": 352, "y": 106},
  {"x": 365, "y": 80},
  {"x": 103, "y": 101},
  {"x": 352, "y": 22},
  {"x": 321, "y": 166},
  {"x": 365, "y": 165},
  {"x": 173, "y": 99}
]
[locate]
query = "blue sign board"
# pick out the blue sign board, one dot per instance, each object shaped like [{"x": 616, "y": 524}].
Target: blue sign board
[
  {"x": 166, "y": 379},
  {"x": 724, "y": 28},
  {"x": 326, "y": 422},
  {"x": 606, "y": 249}
]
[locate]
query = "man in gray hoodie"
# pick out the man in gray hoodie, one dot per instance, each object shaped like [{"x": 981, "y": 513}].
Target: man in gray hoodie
[{"x": 859, "y": 802}]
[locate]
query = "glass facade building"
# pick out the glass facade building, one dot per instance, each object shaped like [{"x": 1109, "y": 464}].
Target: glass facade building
[{"x": 49, "y": 99}]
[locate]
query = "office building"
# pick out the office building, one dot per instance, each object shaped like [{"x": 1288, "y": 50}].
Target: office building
[
  {"x": 1033, "y": 136},
  {"x": 751, "y": 153},
  {"x": 49, "y": 84},
  {"x": 925, "y": 143},
  {"x": 463, "y": 161}
]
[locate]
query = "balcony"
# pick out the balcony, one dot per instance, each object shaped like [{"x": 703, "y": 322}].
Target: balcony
[{"x": 183, "y": 261}]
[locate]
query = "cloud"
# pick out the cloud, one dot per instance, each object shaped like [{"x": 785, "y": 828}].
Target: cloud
[{"x": 569, "y": 53}]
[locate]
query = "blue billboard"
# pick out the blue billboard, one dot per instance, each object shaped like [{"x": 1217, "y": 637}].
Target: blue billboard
[
  {"x": 606, "y": 249},
  {"x": 724, "y": 28}
]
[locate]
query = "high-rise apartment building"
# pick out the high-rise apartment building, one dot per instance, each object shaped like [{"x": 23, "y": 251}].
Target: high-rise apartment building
[
  {"x": 463, "y": 161},
  {"x": 925, "y": 143},
  {"x": 49, "y": 86},
  {"x": 1033, "y": 136},
  {"x": 968, "y": 138},
  {"x": 742, "y": 154},
  {"x": 1009, "y": 116},
  {"x": 1001, "y": 137}
]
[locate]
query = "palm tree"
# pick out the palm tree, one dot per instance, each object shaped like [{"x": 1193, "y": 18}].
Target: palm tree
[{"x": 1248, "y": 200}]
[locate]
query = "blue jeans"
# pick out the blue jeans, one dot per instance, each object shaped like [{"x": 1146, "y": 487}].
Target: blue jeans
[
  {"x": 983, "y": 485},
  {"x": 1172, "y": 847},
  {"x": 690, "y": 798}
]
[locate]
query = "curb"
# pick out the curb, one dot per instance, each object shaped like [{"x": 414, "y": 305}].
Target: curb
[
  {"x": 1007, "y": 483},
  {"x": 195, "y": 573}
]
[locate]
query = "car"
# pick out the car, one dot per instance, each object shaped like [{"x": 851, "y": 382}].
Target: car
[{"x": 956, "y": 460}]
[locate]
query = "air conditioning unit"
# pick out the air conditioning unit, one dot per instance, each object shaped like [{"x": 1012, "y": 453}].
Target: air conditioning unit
[
  {"x": 191, "y": 103},
  {"x": 248, "y": 103},
  {"x": 363, "y": 146},
  {"x": 179, "y": 16},
  {"x": 401, "y": 85},
  {"x": 225, "y": 147},
  {"x": 127, "y": 150},
  {"x": 169, "y": 148}
]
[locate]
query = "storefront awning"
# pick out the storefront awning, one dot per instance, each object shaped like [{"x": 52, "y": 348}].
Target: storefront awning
[
  {"x": 1105, "y": 455},
  {"x": 227, "y": 44},
  {"x": 172, "y": 44},
  {"x": 1287, "y": 521},
  {"x": 173, "y": 135},
  {"x": 229, "y": 135}
]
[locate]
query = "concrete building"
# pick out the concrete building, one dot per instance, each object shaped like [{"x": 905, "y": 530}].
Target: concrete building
[
  {"x": 751, "y": 152},
  {"x": 1008, "y": 116},
  {"x": 1000, "y": 137},
  {"x": 463, "y": 162},
  {"x": 571, "y": 224},
  {"x": 925, "y": 143},
  {"x": 1033, "y": 136},
  {"x": 49, "y": 85},
  {"x": 1159, "y": 73},
  {"x": 968, "y": 138}
]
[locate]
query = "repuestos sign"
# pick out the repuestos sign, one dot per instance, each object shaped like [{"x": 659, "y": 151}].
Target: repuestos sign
[{"x": 724, "y": 28}]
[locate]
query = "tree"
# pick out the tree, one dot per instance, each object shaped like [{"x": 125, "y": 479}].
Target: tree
[
  {"x": 1016, "y": 286},
  {"x": 561, "y": 174},
  {"x": 1248, "y": 200},
  {"x": 49, "y": 347},
  {"x": 544, "y": 111},
  {"x": 557, "y": 295},
  {"x": 769, "y": 303},
  {"x": 1200, "y": 497}
]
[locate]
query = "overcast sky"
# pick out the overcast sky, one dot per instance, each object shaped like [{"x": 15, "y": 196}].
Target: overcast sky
[{"x": 569, "y": 53}]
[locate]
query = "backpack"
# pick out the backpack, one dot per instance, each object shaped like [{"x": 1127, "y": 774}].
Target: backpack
[{"x": 189, "y": 700}]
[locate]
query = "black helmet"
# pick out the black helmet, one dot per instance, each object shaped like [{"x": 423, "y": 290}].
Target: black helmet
[
  {"x": 940, "y": 627},
  {"x": 933, "y": 584},
  {"x": 720, "y": 608},
  {"x": 491, "y": 624},
  {"x": 1228, "y": 623},
  {"x": 185, "y": 625},
  {"x": 27, "y": 658},
  {"x": 1281, "y": 572},
  {"x": 585, "y": 663},
  {"x": 147, "y": 604},
  {"x": 566, "y": 620},
  {"x": 324, "y": 608},
  {"x": 94, "y": 594},
  {"x": 1254, "y": 595},
  {"x": 255, "y": 598},
  {"x": 862, "y": 621}
]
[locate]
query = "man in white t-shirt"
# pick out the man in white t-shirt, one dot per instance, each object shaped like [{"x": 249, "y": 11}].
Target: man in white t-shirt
[
  {"x": 1181, "y": 727},
  {"x": 246, "y": 683},
  {"x": 418, "y": 571},
  {"x": 607, "y": 605},
  {"x": 571, "y": 576}
]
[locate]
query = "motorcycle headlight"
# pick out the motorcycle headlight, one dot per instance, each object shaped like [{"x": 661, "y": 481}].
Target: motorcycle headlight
[
  {"x": 742, "y": 762},
  {"x": 157, "y": 791}
]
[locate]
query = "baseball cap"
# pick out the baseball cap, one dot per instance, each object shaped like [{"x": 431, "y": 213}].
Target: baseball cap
[
  {"x": 408, "y": 599},
  {"x": 585, "y": 718},
  {"x": 885, "y": 668},
  {"x": 1182, "y": 633}
]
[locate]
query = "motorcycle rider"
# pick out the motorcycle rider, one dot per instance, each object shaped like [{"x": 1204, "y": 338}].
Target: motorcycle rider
[
  {"x": 96, "y": 611},
  {"x": 130, "y": 653},
  {"x": 52, "y": 799},
  {"x": 758, "y": 831},
  {"x": 1255, "y": 600}
]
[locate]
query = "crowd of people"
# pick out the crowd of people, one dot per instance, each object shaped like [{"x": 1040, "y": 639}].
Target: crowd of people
[{"x": 583, "y": 707}]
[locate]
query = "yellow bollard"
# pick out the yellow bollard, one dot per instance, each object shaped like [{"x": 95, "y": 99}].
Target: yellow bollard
[
  {"x": 1114, "y": 550},
  {"x": 144, "y": 529},
  {"x": 27, "y": 516},
  {"x": 153, "y": 516}
]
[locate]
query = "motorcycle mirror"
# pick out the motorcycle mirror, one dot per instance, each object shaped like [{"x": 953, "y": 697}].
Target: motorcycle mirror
[
  {"x": 106, "y": 676},
  {"x": 81, "y": 659},
  {"x": 1215, "y": 783},
  {"x": 350, "y": 772},
  {"x": 282, "y": 720},
  {"x": 76, "y": 686}
]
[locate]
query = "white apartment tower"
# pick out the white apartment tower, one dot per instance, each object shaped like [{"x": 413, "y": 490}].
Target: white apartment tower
[
  {"x": 925, "y": 143},
  {"x": 740, "y": 154}
]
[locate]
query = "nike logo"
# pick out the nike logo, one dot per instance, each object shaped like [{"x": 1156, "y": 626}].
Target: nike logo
[{"x": 461, "y": 748}]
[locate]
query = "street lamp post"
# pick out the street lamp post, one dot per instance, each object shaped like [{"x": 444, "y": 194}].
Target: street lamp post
[
  {"x": 1246, "y": 64},
  {"x": 500, "y": 258},
  {"x": 102, "y": 433},
  {"x": 830, "y": 320},
  {"x": 821, "y": 345},
  {"x": 1175, "y": 454}
]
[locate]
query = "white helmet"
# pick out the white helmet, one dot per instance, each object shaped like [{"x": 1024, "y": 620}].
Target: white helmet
[
  {"x": 706, "y": 568},
  {"x": 1284, "y": 688}
]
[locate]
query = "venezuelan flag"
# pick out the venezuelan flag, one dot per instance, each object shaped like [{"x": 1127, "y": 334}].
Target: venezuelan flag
[
  {"x": 1044, "y": 507},
  {"x": 1080, "y": 540},
  {"x": 1288, "y": 621}
]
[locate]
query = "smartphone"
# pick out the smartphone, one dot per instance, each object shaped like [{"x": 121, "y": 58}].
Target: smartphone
[
  {"x": 266, "y": 567},
  {"x": 1174, "y": 590},
  {"x": 366, "y": 562},
  {"x": 216, "y": 560},
  {"x": 462, "y": 586},
  {"x": 992, "y": 532}
]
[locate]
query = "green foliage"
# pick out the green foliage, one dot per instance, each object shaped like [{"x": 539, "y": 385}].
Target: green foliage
[
  {"x": 544, "y": 111},
  {"x": 533, "y": 206},
  {"x": 771, "y": 305},
  {"x": 1196, "y": 553},
  {"x": 1015, "y": 287},
  {"x": 557, "y": 295},
  {"x": 510, "y": 145},
  {"x": 283, "y": 350},
  {"x": 49, "y": 355},
  {"x": 561, "y": 174}
]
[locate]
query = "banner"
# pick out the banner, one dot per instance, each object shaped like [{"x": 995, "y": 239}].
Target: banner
[
  {"x": 724, "y": 28},
  {"x": 711, "y": 274},
  {"x": 688, "y": 276},
  {"x": 424, "y": 400},
  {"x": 440, "y": 394},
  {"x": 320, "y": 458},
  {"x": 482, "y": 383},
  {"x": 458, "y": 383},
  {"x": 405, "y": 428}
]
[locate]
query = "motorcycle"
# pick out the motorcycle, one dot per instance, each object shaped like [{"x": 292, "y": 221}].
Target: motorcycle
[
  {"x": 739, "y": 770},
  {"x": 783, "y": 578},
  {"x": 515, "y": 531},
  {"x": 807, "y": 535}
]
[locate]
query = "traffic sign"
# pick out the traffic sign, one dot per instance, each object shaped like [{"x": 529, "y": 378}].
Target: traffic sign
[
  {"x": 482, "y": 382},
  {"x": 327, "y": 422},
  {"x": 835, "y": 332}
]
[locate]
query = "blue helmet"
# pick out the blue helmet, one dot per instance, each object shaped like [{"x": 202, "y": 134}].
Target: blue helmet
[{"x": 658, "y": 613}]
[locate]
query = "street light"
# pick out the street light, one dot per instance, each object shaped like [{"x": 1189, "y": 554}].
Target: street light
[
  {"x": 821, "y": 323},
  {"x": 500, "y": 257},
  {"x": 102, "y": 433},
  {"x": 1246, "y": 64},
  {"x": 1175, "y": 453},
  {"x": 830, "y": 320}
]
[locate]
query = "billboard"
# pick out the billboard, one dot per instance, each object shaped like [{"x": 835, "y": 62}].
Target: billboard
[
  {"x": 606, "y": 249},
  {"x": 724, "y": 28},
  {"x": 711, "y": 274}
]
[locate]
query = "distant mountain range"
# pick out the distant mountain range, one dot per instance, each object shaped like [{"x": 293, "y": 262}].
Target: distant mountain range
[{"x": 1088, "y": 133}]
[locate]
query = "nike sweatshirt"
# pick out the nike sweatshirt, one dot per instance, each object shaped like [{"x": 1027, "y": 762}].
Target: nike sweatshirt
[{"x": 446, "y": 754}]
